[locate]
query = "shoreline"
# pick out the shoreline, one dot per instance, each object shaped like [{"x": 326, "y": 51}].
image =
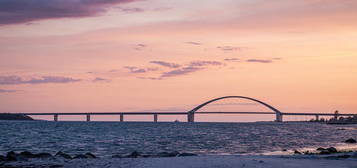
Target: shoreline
[{"x": 226, "y": 161}]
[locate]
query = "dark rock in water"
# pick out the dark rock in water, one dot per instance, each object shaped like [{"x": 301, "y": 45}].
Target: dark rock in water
[
  {"x": 297, "y": 152},
  {"x": 332, "y": 150},
  {"x": 80, "y": 156},
  {"x": 117, "y": 156},
  {"x": 284, "y": 150},
  {"x": 43, "y": 155},
  {"x": 186, "y": 154},
  {"x": 146, "y": 156},
  {"x": 134, "y": 154},
  {"x": 307, "y": 153},
  {"x": 174, "y": 153},
  {"x": 11, "y": 156},
  {"x": 351, "y": 140},
  {"x": 2, "y": 158},
  {"x": 63, "y": 155},
  {"x": 167, "y": 154},
  {"x": 90, "y": 155},
  {"x": 325, "y": 152},
  {"x": 343, "y": 156},
  {"x": 27, "y": 154},
  {"x": 320, "y": 149}
]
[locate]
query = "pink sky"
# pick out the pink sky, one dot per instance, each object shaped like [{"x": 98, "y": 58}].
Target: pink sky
[{"x": 159, "y": 55}]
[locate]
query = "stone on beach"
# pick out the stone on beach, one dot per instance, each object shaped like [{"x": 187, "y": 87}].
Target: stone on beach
[
  {"x": 27, "y": 154},
  {"x": 134, "y": 154},
  {"x": 63, "y": 155},
  {"x": 80, "y": 156},
  {"x": 2, "y": 158},
  {"x": 43, "y": 155},
  {"x": 297, "y": 152},
  {"x": 90, "y": 155},
  {"x": 186, "y": 154},
  {"x": 168, "y": 154},
  {"x": 11, "y": 156},
  {"x": 351, "y": 140}
]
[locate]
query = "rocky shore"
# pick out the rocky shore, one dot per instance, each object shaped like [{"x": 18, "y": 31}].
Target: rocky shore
[{"x": 61, "y": 159}]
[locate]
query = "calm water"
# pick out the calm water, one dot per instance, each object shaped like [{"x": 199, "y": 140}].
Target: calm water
[{"x": 108, "y": 138}]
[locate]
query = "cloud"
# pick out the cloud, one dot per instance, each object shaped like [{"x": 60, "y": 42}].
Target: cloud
[
  {"x": 204, "y": 63},
  {"x": 99, "y": 79},
  {"x": 16, "y": 80},
  {"x": 133, "y": 69},
  {"x": 193, "y": 43},
  {"x": 151, "y": 78},
  {"x": 23, "y": 11},
  {"x": 131, "y": 10},
  {"x": 8, "y": 91},
  {"x": 166, "y": 64},
  {"x": 140, "y": 46},
  {"x": 181, "y": 71},
  {"x": 232, "y": 59},
  {"x": 178, "y": 69},
  {"x": 229, "y": 48},
  {"x": 260, "y": 60}
]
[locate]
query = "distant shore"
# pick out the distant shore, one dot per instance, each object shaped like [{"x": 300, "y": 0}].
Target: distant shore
[{"x": 8, "y": 116}]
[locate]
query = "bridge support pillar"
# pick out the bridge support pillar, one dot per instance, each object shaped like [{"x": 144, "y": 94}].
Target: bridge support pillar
[
  {"x": 88, "y": 117},
  {"x": 279, "y": 117},
  {"x": 121, "y": 117},
  {"x": 155, "y": 117},
  {"x": 55, "y": 117},
  {"x": 317, "y": 118},
  {"x": 191, "y": 117}
]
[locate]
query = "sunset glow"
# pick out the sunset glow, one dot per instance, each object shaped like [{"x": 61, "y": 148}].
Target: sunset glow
[{"x": 159, "y": 55}]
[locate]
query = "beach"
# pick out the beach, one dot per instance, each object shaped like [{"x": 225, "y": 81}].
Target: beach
[{"x": 239, "y": 161}]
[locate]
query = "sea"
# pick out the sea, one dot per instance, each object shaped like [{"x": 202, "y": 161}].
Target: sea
[{"x": 106, "y": 139}]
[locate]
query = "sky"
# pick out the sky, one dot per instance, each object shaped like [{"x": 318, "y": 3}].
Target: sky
[{"x": 166, "y": 55}]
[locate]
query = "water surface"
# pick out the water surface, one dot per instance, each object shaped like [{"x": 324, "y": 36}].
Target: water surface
[{"x": 108, "y": 138}]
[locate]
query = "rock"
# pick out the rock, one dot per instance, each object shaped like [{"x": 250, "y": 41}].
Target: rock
[
  {"x": 186, "y": 154},
  {"x": 343, "y": 156},
  {"x": 297, "y": 152},
  {"x": 90, "y": 155},
  {"x": 117, "y": 156},
  {"x": 80, "y": 156},
  {"x": 320, "y": 149},
  {"x": 134, "y": 154},
  {"x": 43, "y": 155},
  {"x": 2, "y": 158},
  {"x": 174, "y": 153},
  {"x": 63, "y": 155},
  {"x": 284, "y": 150},
  {"x": 332, "y": 150},
  {"x": 167, "y": 154},
  {"x": 27, "y": 154},
  {"x": 11, "y": 156},
  {"x": 351, "y": 140},
  {"x": 307, "y": 153},
  {"x": 325, "y": 152}
]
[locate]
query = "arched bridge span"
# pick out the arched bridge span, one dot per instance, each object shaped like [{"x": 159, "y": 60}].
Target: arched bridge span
[{"x": 191, "y": 113}]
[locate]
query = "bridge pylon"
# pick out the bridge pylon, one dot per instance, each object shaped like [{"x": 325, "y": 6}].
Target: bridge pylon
[{"x": 190, "y": 117}]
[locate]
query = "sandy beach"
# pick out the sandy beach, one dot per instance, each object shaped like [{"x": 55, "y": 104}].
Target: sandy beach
[{"x": 239, "y": 161}]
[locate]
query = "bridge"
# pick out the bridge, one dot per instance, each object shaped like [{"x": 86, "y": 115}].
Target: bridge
[{"x": 191, "y": 114}]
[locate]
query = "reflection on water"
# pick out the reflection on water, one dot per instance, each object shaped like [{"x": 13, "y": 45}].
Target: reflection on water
[{"x": 108, "y": 138}]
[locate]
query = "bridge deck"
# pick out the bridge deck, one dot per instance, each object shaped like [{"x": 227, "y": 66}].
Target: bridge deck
[{"x": 180, "y": 113}]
